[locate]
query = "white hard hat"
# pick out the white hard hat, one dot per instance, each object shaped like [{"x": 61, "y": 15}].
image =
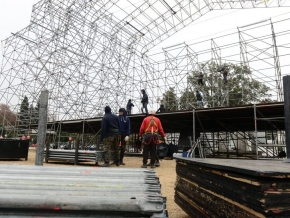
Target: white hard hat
[{"x": 152, "y": 111}]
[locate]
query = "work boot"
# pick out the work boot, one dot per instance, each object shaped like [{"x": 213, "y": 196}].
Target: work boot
[
  {"x": 144, "y": 165},
  {"x": 152, "y": 166},
  {"x": 105, "y": 165}
]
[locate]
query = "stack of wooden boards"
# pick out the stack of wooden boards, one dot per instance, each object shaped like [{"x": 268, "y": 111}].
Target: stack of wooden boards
[{"x": 233, "y": 188}]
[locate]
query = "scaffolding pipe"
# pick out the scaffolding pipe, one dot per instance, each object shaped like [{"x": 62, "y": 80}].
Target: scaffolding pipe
[
  {"x": 286, "y": 89},
  {"x": 193, "y": 125},
  {"x": 42, "y": 125},
  {"x": 256, "y": 142}
]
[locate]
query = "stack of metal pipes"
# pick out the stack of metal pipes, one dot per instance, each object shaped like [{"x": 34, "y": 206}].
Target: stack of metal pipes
[
  {"x": 47, "y": 191},
  {"x": 69, "y": 155}
]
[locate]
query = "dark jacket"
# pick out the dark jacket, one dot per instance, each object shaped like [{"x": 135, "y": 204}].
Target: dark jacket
[
  {"x": 110, "y": 125},
  {"x": 144, "y": 98},
  {"x": 200, "y": 76},
  {"x": 161, "y": 109},
  {"x": 221, "y": 69},
  {"x": 124, "y": 121},
  {"x": 129, "y": 105},
  {"x": 199, "y": 96}
]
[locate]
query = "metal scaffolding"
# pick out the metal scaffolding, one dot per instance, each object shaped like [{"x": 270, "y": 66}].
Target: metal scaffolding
[{"x": 92, "y": 53}]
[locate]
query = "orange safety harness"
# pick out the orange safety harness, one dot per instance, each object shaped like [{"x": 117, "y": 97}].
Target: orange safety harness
[{"x": 150, "y": 131}]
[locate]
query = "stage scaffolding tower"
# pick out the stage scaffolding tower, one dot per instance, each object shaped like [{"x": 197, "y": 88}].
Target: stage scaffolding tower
[{"x": 92, "y": 53}]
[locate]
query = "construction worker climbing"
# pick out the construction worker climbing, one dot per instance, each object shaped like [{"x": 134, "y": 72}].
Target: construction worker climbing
[
  {"x": 224, "y": 71},
  {"x": 200, "y": 78},
  {"x": 150, "y": 129}
]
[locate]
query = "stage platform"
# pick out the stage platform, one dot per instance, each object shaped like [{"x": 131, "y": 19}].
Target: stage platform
[{"x": 229, "y": 119}]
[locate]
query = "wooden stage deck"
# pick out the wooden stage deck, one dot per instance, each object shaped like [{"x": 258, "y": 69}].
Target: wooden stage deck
[{"x": 229, "y": 119}]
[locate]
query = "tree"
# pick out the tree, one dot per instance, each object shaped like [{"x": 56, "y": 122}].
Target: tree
[
  {"x": 24, "y": 111},
  {"x": 170, "y": 99},
  {"x": 241, "y": 88},
  {"x": 7, "y": 117},
  {"x": 33, "y": 113}
]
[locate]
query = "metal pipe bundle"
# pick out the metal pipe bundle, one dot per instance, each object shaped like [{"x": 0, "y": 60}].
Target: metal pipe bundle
[
  {"x": 82, "y": 155},
  {"x": 69, "y": 155},
  {"x": 79, "y": 192}
]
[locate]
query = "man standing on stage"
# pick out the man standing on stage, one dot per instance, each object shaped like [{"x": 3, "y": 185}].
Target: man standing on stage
[
  {"x": 199, "y": 98},
  {"x": 144, "y": 101},
  {"x": 129, "y": 107}
]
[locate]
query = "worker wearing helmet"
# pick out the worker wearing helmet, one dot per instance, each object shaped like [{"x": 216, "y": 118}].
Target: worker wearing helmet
[{"x": 150, "y": 129}]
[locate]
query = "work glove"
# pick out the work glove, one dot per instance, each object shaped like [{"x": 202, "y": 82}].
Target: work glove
[
  {"x": 165, "y": 139},
  {"x": 126, "y": 138}
]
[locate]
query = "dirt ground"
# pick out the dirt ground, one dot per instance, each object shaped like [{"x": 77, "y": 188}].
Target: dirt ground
[{"x": 166, "y": 173}]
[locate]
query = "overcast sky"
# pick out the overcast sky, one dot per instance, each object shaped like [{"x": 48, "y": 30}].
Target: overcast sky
[
  {"x": 15, "y": 15},
  {"x": 222, "y": 22}
]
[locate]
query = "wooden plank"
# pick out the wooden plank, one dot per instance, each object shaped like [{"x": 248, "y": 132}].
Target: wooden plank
[
  {"x": 216, "y": 205},
  {"x": 190, "y": 207},
  {"x": 260, "y": 168},
  {"x": 267, "y": 195}
]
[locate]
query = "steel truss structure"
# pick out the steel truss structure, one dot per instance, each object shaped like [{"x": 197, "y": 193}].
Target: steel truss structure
[{"x": 92, "y": 53}]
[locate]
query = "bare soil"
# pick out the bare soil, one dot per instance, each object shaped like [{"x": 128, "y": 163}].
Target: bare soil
[{"x": 166, "y": 173}]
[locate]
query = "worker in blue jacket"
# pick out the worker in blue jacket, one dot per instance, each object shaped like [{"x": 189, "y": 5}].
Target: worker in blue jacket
[
  {"x": 124, "y": 130},
  {"x": 110, "y": 136}
]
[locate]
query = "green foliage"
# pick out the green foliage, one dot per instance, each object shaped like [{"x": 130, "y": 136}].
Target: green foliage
[
  {"x": 33, "y": 113},
  {"x": 24, "y": 111},
  {"x": 2, "y": 130},
  {"x": 6, "y": 133},
  {"x": 28, "y": 114},
  {"x": 170, "y": 100}
]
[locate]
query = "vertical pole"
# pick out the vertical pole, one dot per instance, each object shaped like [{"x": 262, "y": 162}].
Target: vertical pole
[
  {"x": 277, "y": 65},
  {"x": 228, "y": 104},
  {"x": 98, "y": 142},
  {"x": 256, "y": 144},
  {"x": 58, "y": 143},
  {"x": 286, "y": 89},
  {"x": 218, "y": 144},
  {"x": 213, "y": 143},
  {"x": 82, "y": 147},
  {"x": 193, "y": 125},
  {"x": 42, "y": 125},
  {"x": 2, "y": 129},
  {"x": 47, "y": 150}
]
